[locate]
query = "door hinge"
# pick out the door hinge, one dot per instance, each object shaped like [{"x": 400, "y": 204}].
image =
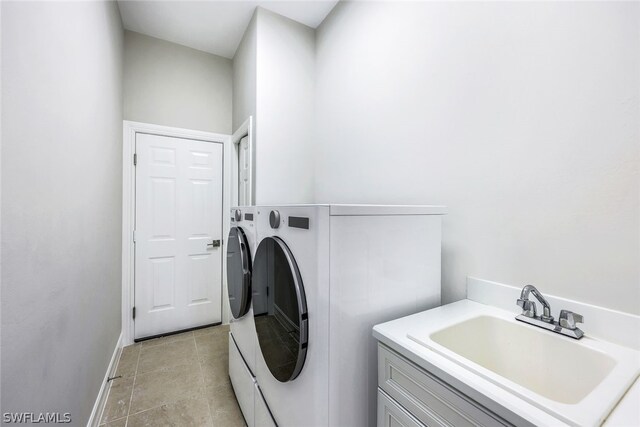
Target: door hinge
[
  {"x": 134, "y": 236},
  {"x": 135, "y": 159},
  {"x": 267, "y": 291},
  {"x": 134, "y": 312}
]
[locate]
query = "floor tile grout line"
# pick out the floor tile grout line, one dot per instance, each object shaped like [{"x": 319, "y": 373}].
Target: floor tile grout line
[
  {"x": 202, "y": 377},
  {"x": 133, "y": 386},
  {"x": 161, "y": 369},
  {"x": 136, "y": 373},
  {"x": 156, "y": 369},
  {"x": 161, "y": 405}
]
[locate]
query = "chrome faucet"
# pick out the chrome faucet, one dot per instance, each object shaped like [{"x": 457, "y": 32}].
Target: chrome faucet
[
  {"x": 529, "y": 307},
  {"x": 567, "y": 322}
]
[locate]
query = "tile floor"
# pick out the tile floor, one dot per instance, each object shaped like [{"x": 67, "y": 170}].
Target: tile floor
[{"x": 178, "y": 380}]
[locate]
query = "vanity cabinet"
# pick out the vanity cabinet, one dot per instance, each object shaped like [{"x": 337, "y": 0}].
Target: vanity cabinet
[
  {"x": 391, "y": 414},
  {"x": 412, "y": 397}
]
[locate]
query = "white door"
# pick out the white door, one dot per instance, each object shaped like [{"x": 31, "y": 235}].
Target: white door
[{"x": 178, "y": 259}]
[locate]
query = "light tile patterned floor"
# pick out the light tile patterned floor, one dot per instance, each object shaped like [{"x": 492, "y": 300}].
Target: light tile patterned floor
[{"x": 178, "y": 380}]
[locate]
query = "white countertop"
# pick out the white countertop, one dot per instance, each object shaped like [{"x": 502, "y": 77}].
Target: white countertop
[
  {"x": 337, "y": 209},
  {"x": 395, "y": 334},
  {"x": 627, "y": 413}
]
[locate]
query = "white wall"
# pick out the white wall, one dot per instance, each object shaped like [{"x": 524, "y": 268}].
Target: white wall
[
  {"x": 523, "y": 118},
  {"x": 1, "y": 411},
  {"x": 284, "y": 110},
  {"x": 61, "y": 202},
  {"x": 274, "y": 79},
  {"x": 173, "y": 85},
  {"x": 245, "y": 76}
]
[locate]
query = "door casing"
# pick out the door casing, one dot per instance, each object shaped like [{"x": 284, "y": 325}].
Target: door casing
[
  {"x": 244, "y": 130},
  {"x": 130, "y": 129}
]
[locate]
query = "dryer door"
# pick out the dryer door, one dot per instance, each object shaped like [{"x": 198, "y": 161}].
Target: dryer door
[
  {"x": 282, "y": 321},
  {"x": 238, "y": 272}
]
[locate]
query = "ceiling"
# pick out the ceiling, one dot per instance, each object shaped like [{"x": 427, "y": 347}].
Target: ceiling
[{"x": 212, "y": 26}]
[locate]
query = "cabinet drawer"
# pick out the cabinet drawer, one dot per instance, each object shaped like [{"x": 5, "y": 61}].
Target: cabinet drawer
[
  {"x": 390, "y": 414},
  {"x": 428, "y": 398},
  {"x": 242, "y": 382},
  {"x": 261, "y": 412}
]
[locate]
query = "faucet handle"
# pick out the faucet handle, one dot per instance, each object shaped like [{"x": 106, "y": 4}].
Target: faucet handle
[
  {"x": 528, "y": 307},
  {"x": 568, "y": 319}
]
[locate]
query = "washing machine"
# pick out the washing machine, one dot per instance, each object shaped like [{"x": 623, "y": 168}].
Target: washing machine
[
  {"x": 323, "y": 276},
  {"x": 241, "y": 244}
]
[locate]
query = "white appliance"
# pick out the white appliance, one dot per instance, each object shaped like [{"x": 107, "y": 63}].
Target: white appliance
[
  {"x": 241, "y": 245},
  {"x": 323, "y": 276}
]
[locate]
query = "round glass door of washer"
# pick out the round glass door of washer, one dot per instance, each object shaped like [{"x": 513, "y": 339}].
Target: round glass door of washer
[
  {"x": 238, "y": 272},
  {"x": 279, "y": 309}
]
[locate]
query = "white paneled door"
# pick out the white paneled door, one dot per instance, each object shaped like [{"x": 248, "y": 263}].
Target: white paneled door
[{"x": 178, "y": 252}]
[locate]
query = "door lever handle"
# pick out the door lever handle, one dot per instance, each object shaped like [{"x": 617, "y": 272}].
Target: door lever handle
[{"x": 214, "y": 244}]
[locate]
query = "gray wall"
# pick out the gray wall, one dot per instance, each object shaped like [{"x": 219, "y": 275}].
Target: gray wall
[
  {"x": 1, "y": 411},
  {"x": 284, "y": 109},
  {"x": 61, "y": 202},
  {"x": 173, "y": 85},
  {"x": 245, "y": 76},
  {"x": 274, "y": 80},
  {"x": 522, "y": 117}
]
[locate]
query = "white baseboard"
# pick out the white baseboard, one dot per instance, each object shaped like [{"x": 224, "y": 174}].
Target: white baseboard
[{"x": 101, "y": 400}]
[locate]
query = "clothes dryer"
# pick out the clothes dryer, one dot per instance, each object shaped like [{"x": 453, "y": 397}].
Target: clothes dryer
[{"x": 323, "y": 276}]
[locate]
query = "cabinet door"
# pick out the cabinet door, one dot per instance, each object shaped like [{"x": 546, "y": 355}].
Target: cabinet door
[
  {"x": 390, "y": 414},
  {"x": 428, "y": 398}
]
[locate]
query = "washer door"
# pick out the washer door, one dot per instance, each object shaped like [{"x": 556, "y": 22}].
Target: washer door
[
  {"x": 238, "y": 272},
  {"x": 281, "y": 318}
]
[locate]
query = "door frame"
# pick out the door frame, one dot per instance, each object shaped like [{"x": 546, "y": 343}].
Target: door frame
[
  {"x": 245, "y": 129},
  {"x": 130, "y": 129}
]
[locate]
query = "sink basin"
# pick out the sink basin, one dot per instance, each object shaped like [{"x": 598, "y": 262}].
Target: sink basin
[
  {"x": 576, "y": 381},
  {"x": 541, "y": 362}
]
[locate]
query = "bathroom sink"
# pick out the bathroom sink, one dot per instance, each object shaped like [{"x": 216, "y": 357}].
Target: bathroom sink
[{"x": 576, "y": 381}]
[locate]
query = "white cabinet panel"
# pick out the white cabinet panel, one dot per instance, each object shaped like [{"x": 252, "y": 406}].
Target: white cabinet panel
[
  {"x": 263, "y": 416},
  {"x": 242, "y": 382},
  {"x": 428, "y": 398},
  {"x": 390, "y": 414},
  {"x": 382, "y": 268}
]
